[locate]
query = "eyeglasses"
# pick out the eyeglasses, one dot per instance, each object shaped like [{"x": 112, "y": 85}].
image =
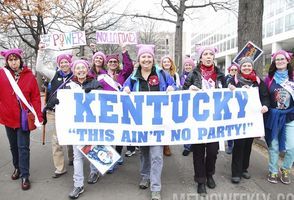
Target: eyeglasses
[
  {"x": 279, "y": 59},
  {"x": 112, "y": 61}
]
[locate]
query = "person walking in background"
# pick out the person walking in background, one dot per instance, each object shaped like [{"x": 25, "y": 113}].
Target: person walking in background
[
  {"x": 57, "y": 81},
  {"x": 232, "y": 71},
  {"x": 10, "y": 111},
  {"x": 280, "y": 123},
  {"x": 149, "y": 78},
  {"x": 188, "y": 66},
  {"x": 98, "y": 64},
  {"x": 168, "y": 65},
  {"x": 205, "y": 76},
  {"x": 247, "y": 78},
  {"x": 113, "y": 81}
]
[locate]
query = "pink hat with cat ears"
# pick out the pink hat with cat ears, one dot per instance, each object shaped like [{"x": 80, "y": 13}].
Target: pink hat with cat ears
[
  {"x": 6, "y": 53},
  {"x": 282, "y": 52}
]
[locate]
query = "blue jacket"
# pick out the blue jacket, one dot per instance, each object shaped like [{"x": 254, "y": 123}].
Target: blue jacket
[{"x": 165, "y": 80}]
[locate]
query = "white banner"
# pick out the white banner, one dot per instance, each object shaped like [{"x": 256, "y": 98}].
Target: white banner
[
  {"x": 63, "y": 40},
  {"x": 157, "y": 118},
  {"x": 116, "y": 37}
]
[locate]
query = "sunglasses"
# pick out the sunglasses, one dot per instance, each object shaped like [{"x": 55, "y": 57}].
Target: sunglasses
[
  {"x": 113, "y": 61},
  {"x": 279, "y": 59}
]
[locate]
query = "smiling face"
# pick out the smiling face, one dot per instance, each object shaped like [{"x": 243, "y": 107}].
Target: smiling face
[
  {"x": 188, "y": 67},
  {"x": 281, "y": 62},
  {"x": 81, "y": 71},
  {"x": 112, "y": 64},
  {"x": 98, "y": 61},
  {"x": 246, "y": 68},
  {"x": 146, "y": 61},
  {"x": 64, "y": 66},
  {"x": 166, "y": 64},
  {"x": 207, "y": 58},
  {"x": 13, "y": 62}
]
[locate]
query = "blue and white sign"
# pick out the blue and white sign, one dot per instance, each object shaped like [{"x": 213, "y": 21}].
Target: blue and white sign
[{"x": 157, "y": 118}]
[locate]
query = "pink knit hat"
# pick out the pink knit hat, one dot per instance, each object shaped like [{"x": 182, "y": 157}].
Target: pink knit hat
[
  {"x": 190, "y": 61},
  {"x": 145, "y": 48},
  {"x": 201, "y": 49},
  {"x": 229, "y": 68},
  {"x": 6, "y": 53},
  {"x": 99, "y": 53},
  {"x": 112, "y": 56},
  {"x": 164, "y": 57},
  {"x": 67, "y": 57},
  {"x": 285, "y": 53},
  {"x": 80, "y": 61}
]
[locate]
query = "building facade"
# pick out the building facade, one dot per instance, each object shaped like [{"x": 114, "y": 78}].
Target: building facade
[{"x": 278, "y": 33}]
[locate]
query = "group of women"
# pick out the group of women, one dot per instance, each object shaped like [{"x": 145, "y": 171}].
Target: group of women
[{"x": 105, "y": 73}]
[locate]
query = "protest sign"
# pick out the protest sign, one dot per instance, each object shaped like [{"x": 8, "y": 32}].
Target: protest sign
[
  {"x": 249, "y": 50},
  {"x": 116, "y": 37},
  {"x": 102, "y": 157},
  {"x": 157, "y": 118},
  {"x": 63, "y": 40}
]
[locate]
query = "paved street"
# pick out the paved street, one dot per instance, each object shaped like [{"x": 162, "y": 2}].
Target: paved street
[{"x": 177, "y": 178}]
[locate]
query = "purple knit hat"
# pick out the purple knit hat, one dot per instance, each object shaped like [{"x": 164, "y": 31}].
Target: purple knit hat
[
  {"x": 145, "y": 48},
  {"x": 112, "y": 56},
  {"x": 65, "y": 56},
  {"x": 80, "y": 61},
  {"x": 99, "y": 53},
  {"x": 201, "y": 49},
  {"x": 285, "y": 53},
  {"x": 190, "y": 61},
  {"x": 6, "y": 53}
]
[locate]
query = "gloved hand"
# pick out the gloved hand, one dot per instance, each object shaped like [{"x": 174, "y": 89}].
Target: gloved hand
[
  {"x": 52, "y": 103},
  {"x": 44, "y": 116},
  {"x": 93, "y": 85}
]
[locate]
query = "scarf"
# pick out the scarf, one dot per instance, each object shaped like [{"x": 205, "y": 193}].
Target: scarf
[
  {"x": 64, "y": 75},
  {"x": 281, "y": 76},
  {"x": 208, "y": 72}
]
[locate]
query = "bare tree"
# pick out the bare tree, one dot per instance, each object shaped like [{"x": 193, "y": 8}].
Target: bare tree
[
  {"x": 250, "y": 26},
  {"x": 88, "y": 16},
  {"x": 29, "y": 19},
  {"x": 178, "y": 10}
]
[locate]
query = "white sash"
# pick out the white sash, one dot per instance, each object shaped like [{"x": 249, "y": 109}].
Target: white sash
[
  {"x": 115, "y": 85},
  {"x": 20, "y": 95},
  {"x": 289, "y": 86}
]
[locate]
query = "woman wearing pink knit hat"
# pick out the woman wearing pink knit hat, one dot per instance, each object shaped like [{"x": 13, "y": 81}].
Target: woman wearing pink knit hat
[
  {"x": 58, "y": 79},
  {"x": 148, "y": 77},
  {"x": 10, "y": 111},
  {"x": 98, "y": 64},
  {"x": 205, "y": 76}
]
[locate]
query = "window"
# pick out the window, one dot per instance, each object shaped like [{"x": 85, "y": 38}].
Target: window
[
  {"x": 233, "y": 43},
  {"x": 228, "y": 44},
  {"x": 289, "y": 22},
  {"x": 269, "y": 29},
  {"x": 279, "y": 26},
  {"x": 290, "y": 4}
]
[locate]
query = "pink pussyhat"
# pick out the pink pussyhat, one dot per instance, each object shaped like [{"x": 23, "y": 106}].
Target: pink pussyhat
[
  {"x": 6, "y": 53},
  {"x": 145, "y": 48},
  {"x": 67, "y": 57},
  {"x": 99, "y": 53},
  {"x": 229, "y": 68},
  {"x": 112, "y": 56},
  {"x": 190, "y": 61},
  {"x": 287, "y": 55},
  {"x": 201, "y": 49},
  {"x": 84, "y": 62}
]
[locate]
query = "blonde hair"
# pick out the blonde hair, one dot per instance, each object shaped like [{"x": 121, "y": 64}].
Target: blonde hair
[{"x": 172, "y": 69}]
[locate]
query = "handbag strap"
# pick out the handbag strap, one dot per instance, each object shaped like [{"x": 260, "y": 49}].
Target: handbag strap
[{"x": 20, "y": 95}]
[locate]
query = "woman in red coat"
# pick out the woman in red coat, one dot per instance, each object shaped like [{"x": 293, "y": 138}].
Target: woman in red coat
[{"x": 10, "y": 112}]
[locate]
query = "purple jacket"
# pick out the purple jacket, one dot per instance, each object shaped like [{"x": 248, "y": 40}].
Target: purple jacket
[{"x": 121, "y": 77}]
